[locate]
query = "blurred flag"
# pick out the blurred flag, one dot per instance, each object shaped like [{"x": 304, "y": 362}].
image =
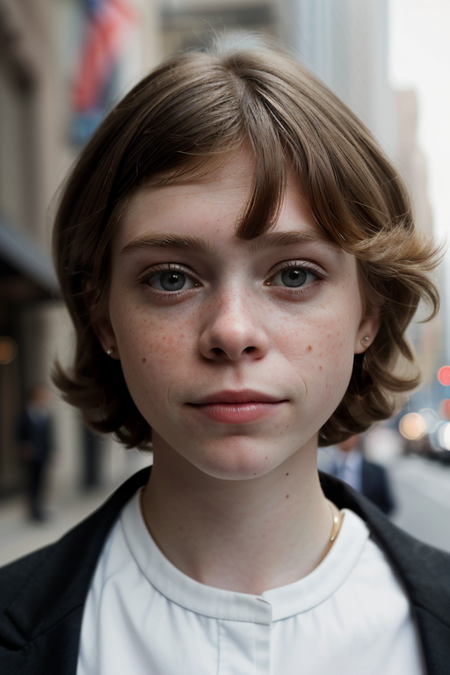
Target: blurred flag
[{"x": 107, "y": 25}]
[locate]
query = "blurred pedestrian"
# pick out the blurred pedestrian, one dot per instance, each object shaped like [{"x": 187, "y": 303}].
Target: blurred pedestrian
[
  {"x": 346, "y": 461},
  {"x": 35, "y": 437}
]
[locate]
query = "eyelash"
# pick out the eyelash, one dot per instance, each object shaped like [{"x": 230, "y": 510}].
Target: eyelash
[{"x": 173, "y": 295}]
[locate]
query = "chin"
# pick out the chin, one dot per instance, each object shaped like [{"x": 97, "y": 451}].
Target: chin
[
  {"x": 234, "y": 473},
  {"x": 242, "y": 459}
]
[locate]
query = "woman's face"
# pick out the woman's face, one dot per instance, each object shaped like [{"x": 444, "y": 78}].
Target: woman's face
[{"x": 235, "y": 352}]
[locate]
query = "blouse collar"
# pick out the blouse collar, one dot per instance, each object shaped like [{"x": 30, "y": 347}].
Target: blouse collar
[{"x": 272, "y": 605}]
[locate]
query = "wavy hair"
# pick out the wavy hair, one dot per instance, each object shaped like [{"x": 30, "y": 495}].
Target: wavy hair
[{"x": 198, "y": 105}]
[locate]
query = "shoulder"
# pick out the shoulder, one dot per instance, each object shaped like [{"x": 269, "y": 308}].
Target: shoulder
[{"x": 15, "y": 575}]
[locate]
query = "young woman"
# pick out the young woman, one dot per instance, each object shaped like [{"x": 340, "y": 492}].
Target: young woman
[{"x": 240, "y": 263}]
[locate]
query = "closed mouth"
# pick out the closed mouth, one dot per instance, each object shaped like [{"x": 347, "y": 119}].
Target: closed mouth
[{"x": 237, "y": 397}]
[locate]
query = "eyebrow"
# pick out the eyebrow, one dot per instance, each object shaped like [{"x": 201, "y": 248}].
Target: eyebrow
[
  {"x": 193, "y": 243},
  {"x": 168, "y": 241}
]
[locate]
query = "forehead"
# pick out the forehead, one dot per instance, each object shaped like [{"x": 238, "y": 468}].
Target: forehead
[
  {"x": 209, "y": 201},
  {"x": 213, "y": 184}
]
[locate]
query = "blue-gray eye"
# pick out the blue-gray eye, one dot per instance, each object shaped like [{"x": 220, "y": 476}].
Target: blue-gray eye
[
  {"x": 294, "y": 277},
  {"x": 172, "y": 281}
]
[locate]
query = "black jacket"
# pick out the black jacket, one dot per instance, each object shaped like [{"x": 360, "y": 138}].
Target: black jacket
[
  {"x": 375, "y": 485},
  {"x": 42, "y": 595}
]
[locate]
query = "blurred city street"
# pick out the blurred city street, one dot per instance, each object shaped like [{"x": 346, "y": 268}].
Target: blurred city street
[
  {"x": 20, "y": 535},
  {"x": 421, "y": 489}
]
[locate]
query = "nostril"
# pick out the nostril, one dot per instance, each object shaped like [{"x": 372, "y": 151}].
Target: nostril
[{"x": 218, "y": 351}]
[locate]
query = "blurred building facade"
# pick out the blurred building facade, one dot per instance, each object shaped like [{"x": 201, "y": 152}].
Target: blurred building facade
[
  {"x": 345, "y": 42},
  {"x": 427, "y": 338},
  {"x": 28, "y": 286},
  {"x": 40, "y": 45},
  {"x": 41, "y": 131}
]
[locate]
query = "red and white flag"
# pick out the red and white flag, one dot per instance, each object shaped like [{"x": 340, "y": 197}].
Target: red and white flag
[{"x": 108, "y": 25}]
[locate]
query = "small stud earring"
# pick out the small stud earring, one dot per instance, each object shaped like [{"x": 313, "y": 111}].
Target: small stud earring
[
  {"x": 110, "y": 351},
  {"x": 366, "y": 338}
]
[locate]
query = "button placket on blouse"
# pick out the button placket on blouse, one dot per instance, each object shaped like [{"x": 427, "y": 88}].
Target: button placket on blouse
[{"x": 244, "y": 646}]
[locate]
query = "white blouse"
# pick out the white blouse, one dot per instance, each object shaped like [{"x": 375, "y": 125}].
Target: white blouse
[{"x": 143, "y": 616}]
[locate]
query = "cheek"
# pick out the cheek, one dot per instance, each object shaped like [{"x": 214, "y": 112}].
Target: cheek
[
  {"x": 332, "y": 356},
  {"x": 319, "y": 336},
  {"x": 151, "y": 349},
  {"x": 321, "y": 349}
]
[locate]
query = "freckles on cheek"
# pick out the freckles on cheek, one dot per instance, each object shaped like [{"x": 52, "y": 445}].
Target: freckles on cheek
[
  {"x": 334, "y": 364},
  {"x": 147, "y": 345},
  {"x": 151, "y": 360},
  {"x": 326, "y": 348}
]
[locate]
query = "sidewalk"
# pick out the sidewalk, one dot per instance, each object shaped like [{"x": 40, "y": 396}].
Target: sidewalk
[
  {"x": 19, "y": 535},
  {"x": 422, "y": 491}
]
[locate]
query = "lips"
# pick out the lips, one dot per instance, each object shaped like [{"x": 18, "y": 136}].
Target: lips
[
  {"x": 239, "y": 396},
  {"x": 237, "y": 407}
]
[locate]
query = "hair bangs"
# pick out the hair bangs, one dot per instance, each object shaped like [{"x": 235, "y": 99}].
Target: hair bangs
[
  {"x": 185, "y": 118},
  {"x": 265, "y": 201}
]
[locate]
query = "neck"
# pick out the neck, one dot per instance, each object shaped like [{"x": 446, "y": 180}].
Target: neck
[{"x": 242, "y": 535}]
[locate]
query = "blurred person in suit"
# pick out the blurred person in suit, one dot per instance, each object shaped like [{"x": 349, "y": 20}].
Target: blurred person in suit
[
  {"x": 35, "y": 437},
  {"x": 346, "y": 461}
]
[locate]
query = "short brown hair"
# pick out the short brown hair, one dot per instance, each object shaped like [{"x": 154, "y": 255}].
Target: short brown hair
[{"x": 197, "y": 105}]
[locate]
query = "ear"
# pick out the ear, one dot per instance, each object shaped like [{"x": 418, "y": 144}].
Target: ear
[
  {"x": 367, "y": 331},
  {"x": 105, "y": 334},
  {"x": 101, "y": 325}
]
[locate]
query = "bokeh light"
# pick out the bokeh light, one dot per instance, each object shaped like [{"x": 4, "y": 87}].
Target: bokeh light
[
  {"x": 444, "y": 436},
  {"x": 8, "y": 350},
  {"x": 412, "y": 426},
  {"x": 444, "y": 409},
  {"x": 431, "y": 418},
  {"x": 444, "y": 375}
]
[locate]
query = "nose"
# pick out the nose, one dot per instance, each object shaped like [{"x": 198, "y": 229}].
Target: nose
[{"x": 233, "y": 329}]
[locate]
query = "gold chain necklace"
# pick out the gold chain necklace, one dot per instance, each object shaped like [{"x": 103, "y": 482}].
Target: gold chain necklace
[{"x": 336, "y": 524}]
